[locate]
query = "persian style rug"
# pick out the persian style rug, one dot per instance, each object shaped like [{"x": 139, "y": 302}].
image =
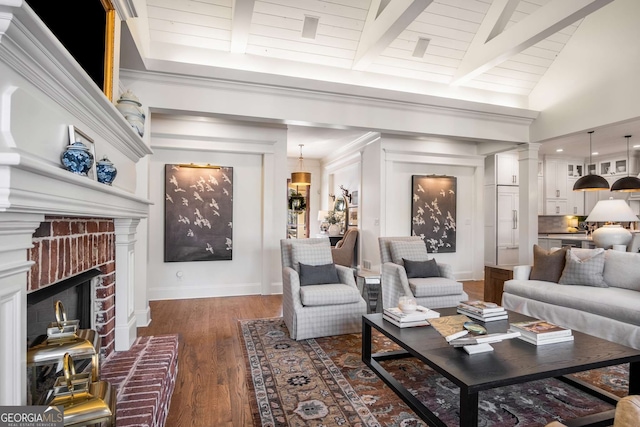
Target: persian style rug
[{"x": 323, "y": 382}]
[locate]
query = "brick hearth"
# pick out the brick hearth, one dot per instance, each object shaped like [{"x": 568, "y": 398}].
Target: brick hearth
[
  {"x": 145, "y": 377},
  {"x": 64, "y": 247}
]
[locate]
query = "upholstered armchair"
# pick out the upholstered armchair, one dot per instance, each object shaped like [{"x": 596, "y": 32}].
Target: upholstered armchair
[
  {"x": 310, "y": 309},
  {"x": 627, "y": 413},
  {"x": 344, "y": 251},
  {"x": 439, "y": 290}
]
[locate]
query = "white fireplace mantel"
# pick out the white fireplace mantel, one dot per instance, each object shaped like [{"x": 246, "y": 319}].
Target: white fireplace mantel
[{"x": 43, "y": 90}]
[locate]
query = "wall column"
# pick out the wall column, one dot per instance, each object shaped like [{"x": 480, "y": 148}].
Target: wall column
[
  {"x": 16, "y": 232},
  {"x": 125, "y": 330},
  {"x": 528, "y": 205}
]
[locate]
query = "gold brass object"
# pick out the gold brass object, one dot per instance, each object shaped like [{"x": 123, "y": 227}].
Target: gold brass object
[
  {"x": 80, "y": 344},
  {"x": 62, "y": 328},
  {"x": 83, "y": 401}
]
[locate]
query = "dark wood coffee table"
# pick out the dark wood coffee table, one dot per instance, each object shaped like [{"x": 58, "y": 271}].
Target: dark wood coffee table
[{"x": 512, "y": 362}]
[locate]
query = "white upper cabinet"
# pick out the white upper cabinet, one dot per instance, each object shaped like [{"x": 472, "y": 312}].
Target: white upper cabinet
[
  {"x": 555, "y": 176},
  {"x": 507, "y": 169}
]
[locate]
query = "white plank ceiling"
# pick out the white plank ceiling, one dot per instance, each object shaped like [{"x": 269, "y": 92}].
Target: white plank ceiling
[
  {"x": 475, "y": 43},
  {"x": 503, "y": 46}
]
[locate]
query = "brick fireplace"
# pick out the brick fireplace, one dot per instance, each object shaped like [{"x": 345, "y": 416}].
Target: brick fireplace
[
  {"x": 54, "y": 223},
  {"x": 64, "y": 247}
]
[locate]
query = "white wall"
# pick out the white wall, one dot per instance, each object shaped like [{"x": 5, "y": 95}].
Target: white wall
[
  {"x": 404, "y": 158},
  {"x": 583, "y": 90},
  {"x": 258, "y": 157}
]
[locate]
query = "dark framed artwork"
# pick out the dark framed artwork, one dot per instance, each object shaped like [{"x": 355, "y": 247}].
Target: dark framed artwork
[
  {"x": 433, "y": 211},
  {"x": 198, "y": 222}
]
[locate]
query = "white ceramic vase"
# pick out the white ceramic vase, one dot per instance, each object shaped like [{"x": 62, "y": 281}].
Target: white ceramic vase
[
  {"x": 334, "y": 230},
  {"x": 130, "y": 107}
]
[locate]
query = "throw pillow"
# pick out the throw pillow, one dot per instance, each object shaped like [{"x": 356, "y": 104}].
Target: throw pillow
[
  {"x": 318, "y": 274},
  {"x": 622, "y": 269},
  {"x": 586, "y": 272},
  {"x": 311, "y": 254},
  {"x": 415, "y": 250},
  {"x": 548, "y": 265},
  {"x": 421, "y": 269}
]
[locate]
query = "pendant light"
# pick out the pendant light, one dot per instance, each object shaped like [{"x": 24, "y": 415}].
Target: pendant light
[
  {"x": 628, "y": 183},
  {"x": 300, "y": 177},
  {"x": 591, "y": 182}
]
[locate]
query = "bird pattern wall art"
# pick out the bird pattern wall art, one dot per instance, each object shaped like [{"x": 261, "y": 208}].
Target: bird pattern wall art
[
  {"x": 433, "y": 212},
  {"x": 198, "y": 213}
]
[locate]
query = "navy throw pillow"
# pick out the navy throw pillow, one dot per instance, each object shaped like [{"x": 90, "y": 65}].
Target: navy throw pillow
[
  {"x": 421, "y": 269},
  {"x": 318, "y": 274}
]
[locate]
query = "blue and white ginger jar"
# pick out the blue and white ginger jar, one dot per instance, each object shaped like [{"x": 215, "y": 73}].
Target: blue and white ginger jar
[
  {"x": 106, "y": 171},
  {"x": 77, "y": 158}
]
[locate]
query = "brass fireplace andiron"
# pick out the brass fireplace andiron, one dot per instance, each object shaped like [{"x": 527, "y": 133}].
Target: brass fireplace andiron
[
  {"x": 83, "y": 401},
  {"x": 63, "y": 336}
]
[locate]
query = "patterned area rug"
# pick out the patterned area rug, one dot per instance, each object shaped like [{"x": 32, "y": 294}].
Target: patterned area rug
[{"x": 323, "y": 382}]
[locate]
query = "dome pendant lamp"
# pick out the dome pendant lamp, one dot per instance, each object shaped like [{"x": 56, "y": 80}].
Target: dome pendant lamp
[
  {"x": 300, "y": 177},
  {"x": 628, "y": 183},
  {"x": 591, "y": 182}
]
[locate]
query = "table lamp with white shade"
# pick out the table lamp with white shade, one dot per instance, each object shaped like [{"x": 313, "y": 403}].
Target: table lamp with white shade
[
  {"x": 612, "y": 212},
  {"x": 322, "y": 218}
]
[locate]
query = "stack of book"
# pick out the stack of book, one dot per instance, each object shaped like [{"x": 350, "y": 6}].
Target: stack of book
[
  {"x": 407, "y": 320},
  {"x": 540, "y": 332},
  {"x": 483, "y": 311}
]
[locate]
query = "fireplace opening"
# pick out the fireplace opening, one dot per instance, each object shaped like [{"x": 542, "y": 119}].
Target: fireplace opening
[{"x": 75, "y": 293}]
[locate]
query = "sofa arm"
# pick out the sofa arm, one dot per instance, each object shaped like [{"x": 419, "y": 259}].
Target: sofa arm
[
  {"x": 521, "y": 272},
  {"x": 346, "y": 276}
]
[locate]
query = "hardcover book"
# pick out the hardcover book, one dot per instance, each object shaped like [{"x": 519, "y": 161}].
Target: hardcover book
[
  {"x": 546, "y": 341},
  {"x": 481, "y": 307},
  {"x": 449, "y": 325},
  {"x": 486, "y": 318},
  {"x": 421, "y": 313},
  {"x": 540, "y": 329},
  {"x": 405, "y": 324}
]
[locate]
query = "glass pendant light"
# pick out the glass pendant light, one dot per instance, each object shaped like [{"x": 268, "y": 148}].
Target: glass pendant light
[
  {"x": 628, "y": 183},
  {"x": 591, "y": 182},
  {"x": 300, "y": 177}
]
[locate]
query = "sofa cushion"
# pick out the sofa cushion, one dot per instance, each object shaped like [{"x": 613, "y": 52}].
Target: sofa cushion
[
  {"x": 314, "y": 254},
  {"x": 614, "y": 303},
  {"x": 622, "y": 269},
  {"x": 332, "y": 294},
  {"x": 548, "y": 265},
  {"x": 434, "y": 286},
  {"x": 586, "y": 272},
  {"x": 415, "y": 250},
  {"x": 421, "y": 268},
  {"x": 318, "y": 274}
]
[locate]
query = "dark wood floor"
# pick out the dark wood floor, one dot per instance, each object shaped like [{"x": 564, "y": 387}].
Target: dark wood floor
[{"x": 210, "y": 388}]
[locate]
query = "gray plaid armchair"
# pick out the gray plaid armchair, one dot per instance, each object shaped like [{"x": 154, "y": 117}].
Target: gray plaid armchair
[
  {"x": 312, "y": 311},
  {"x": 431, "y": 292}
]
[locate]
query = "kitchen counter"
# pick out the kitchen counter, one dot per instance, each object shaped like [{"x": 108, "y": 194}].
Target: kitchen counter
[{"x": 566, "y": 236}]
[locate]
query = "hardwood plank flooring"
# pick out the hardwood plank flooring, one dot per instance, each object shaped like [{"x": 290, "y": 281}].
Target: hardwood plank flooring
[{"x": 210, "y": 387}]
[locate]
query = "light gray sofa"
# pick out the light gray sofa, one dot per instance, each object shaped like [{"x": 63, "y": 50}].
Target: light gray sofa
[{"x": 611, "y": 312}]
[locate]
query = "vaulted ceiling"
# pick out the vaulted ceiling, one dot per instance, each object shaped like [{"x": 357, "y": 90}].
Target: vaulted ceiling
[
  {"x": 454, "y": 48},
  {"x": 500, "y": 45}
]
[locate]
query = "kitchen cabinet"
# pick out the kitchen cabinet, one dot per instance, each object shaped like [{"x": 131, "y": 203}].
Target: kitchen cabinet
[
  {"x": 574, "y": 170},
  {"x": 575, "y": 199},
  {"x": 507, "y": 222},
  {"x": 556, "y": 207},
  {"x": 507, "y": 169},
  {"x": 555, "y": 173}
]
